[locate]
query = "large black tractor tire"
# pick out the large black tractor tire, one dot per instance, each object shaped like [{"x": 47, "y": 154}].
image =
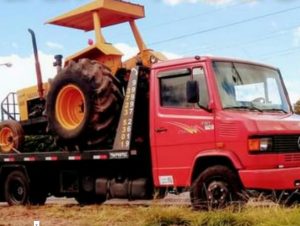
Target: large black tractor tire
[
  {"x": 83, "y": 104},
  {"x": 11, "y": 136},
  {"x": 216, "y": 187}
]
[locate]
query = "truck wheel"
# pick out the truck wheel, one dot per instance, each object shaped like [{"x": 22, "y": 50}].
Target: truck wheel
[
  {"x": 215, "y": 188},
  {"x": 16, "y": 188},
  {"x": 11, "y": 136},
  {"x": 83, "y": 104}
]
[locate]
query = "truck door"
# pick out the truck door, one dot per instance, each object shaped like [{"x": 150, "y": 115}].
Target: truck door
[{"x": 181, "y": 129}]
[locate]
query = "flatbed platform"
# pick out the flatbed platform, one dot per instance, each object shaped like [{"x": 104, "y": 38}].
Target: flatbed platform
[{"x": 66, "y": 156}]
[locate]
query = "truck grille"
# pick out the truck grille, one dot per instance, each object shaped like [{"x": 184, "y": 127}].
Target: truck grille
[
  {"x": 292, "y": 157},
  {"x": 288, "y": 143}
]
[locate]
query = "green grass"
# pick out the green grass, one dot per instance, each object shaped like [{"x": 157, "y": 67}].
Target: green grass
[{"x": 65, "y": 215}]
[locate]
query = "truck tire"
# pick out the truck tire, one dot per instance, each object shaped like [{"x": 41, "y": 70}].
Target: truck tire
[
  {"x": 215, "y": 188},
  {"x": 11, "y": 136},
  {"x": 83, "y": 104},
  {"x": 16, "y": 189}
]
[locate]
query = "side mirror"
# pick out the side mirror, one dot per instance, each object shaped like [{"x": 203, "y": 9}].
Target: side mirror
[{"x": 192, "y": 91}]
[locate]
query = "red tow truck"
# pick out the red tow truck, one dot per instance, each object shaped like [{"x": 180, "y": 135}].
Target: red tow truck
[{"x": 213, "y": 126}]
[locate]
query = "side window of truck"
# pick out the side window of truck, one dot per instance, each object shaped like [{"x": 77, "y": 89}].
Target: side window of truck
[
  {"x": 198, "y": 75},
  {"x": 173, "y": 88}
]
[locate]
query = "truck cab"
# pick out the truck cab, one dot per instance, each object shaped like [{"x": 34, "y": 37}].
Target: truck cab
[{"x": 241, "y": 133}]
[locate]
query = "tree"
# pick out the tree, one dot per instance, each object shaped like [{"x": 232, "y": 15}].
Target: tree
[{"x": 297, "y": 107}]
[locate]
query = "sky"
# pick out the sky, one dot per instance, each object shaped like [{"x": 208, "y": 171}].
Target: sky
[{"x": 266, "y": 31}]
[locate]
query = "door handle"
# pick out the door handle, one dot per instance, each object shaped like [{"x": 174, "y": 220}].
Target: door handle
[{"x": 161, "y": 129}]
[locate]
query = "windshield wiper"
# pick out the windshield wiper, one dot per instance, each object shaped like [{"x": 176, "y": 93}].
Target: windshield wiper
[
  {"x": 245, "y": 107},
  {"x": 275, "y": 109}
]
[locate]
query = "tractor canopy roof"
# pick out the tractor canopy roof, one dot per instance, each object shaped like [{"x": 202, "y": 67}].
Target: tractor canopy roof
[{"x": 110, "y": 12}]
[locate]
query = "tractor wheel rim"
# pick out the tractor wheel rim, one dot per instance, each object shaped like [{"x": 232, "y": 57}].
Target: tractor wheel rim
[
  {"x": 70, "y": 107},
  {"x": 6, "y": 139}
]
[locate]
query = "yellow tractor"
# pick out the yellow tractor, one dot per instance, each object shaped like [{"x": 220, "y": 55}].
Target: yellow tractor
[{"x": 80, "y": 107}]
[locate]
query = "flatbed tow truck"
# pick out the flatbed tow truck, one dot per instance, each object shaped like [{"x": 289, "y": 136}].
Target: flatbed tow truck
[{"x": 209, "y": 125}]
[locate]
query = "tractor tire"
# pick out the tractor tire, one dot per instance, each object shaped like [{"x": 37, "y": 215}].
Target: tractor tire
[
  {"x": 83, "y": 105},
  {"x": 11, "y": 136}
]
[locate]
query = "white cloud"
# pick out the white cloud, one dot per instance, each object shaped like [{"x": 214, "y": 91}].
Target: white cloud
[
  {"x": 217, "y": 2},
  {"x": 54, "y": 45},
  {"x": 210, "y": 2},
  {"x": 170, "y": 55},
  {"x": 176, "y": 2},
  {"x": 130, "y": 51},
  {"x": 296, "y": 35},
  {"x": 22, "y": 73}
]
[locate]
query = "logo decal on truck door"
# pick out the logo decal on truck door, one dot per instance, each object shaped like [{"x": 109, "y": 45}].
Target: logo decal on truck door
[{"x": 193, "y": 129}]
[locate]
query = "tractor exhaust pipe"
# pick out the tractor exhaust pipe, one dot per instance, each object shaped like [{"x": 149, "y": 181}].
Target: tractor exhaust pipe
[{"x": 37, "y": 66}]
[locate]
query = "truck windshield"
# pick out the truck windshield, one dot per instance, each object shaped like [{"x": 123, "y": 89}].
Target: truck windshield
[{"x": 250, "y": 87}]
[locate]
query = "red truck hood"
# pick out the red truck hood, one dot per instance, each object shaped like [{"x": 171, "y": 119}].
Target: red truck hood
[{"x": 266, "y": 122}]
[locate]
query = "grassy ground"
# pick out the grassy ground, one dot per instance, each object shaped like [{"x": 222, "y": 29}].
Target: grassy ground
[{"x": 73, "y": 215}]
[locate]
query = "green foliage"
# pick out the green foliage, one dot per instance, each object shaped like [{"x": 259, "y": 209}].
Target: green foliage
[
  {"x": 225, "y": 219},
  {"x": 40, "y": 143},
  {"x": 169, "y": 216},
  {"x": 154, "y": 215},
  {"x": 297, "y": 107}
]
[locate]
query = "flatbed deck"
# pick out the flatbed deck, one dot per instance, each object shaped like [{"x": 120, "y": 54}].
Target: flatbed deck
[{"x": 66, "y": 156}]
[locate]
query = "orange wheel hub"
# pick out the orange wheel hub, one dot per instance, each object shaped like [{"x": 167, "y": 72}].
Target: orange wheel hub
[
  {"x": 70, "y": 107},
  {"x": 6, "y": 139}
]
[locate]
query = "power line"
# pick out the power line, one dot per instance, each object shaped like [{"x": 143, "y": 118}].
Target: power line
[
  {"x": 226, "y": 25},
  {"x": 147, "y": 29},
  {"x": 262, "y": 38},
  {"x": 197, "y": 15},
  {"x": 279, "y": 52}
]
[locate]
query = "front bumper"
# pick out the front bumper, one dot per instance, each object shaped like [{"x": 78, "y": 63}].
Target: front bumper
[{"x": 271, "y": 179}]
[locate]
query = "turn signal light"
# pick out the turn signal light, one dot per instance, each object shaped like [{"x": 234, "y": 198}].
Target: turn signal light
[{"x": 254, "y": 144}]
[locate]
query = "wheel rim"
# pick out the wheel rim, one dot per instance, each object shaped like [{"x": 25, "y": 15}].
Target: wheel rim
[
  {"x": 70, "y": 107},
  {"x": 17, "y": 191},
  {"x": 217, "y": 193},
  {"x": 6, "y": 139}
]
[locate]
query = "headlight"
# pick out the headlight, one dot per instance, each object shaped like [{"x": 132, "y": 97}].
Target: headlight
[{"x": 260, "y": 144}]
